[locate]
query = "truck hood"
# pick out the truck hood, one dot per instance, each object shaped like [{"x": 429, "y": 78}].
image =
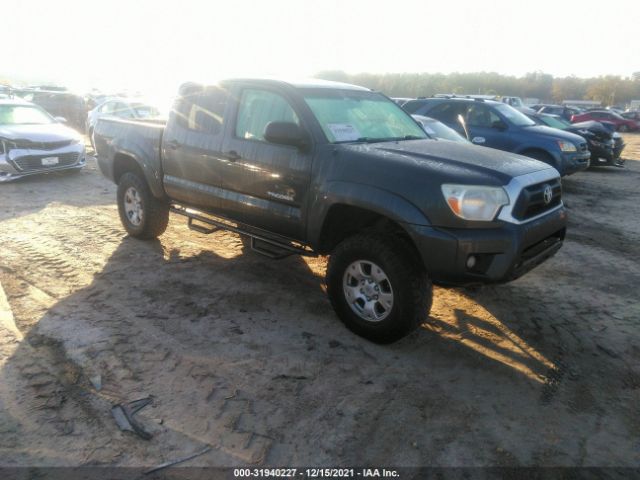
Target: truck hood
[
  {"x": 554, "y": 133},
  {"x": 52, "y": 132},
  {"x": 443, "y": 155}
]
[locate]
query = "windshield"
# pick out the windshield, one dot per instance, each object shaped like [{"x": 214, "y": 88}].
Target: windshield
[
  {"x": 514, "y": 116},
  {"x": 553, "y": 122},
  {"x": 23, "y": 115},
  {"x": 352, "y": 116},
  {"x": 144, "y": 111},
  {"x": 439, "y": 130}
]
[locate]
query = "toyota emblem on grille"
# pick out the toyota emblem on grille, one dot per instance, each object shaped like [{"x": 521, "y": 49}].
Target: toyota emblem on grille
[{"x": 547, "y": 194}]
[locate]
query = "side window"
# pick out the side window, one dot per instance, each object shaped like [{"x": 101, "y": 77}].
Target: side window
[
  {"x": 447, "y": 112},
  {"x": 257, "y": 109},
  {"x": 412, "y": 106},
  {"x": 202, "y": 111},
  {"x": 479, "y": 115},
  {"x": 122, "y": 110},
  {"x": 107, "y": 107}
]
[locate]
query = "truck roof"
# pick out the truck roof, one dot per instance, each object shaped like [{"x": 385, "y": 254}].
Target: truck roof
[{"x": 300, "y": 83}]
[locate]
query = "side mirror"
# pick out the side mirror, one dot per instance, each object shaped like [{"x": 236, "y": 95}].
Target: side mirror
[
  {"x": 499, "y": 125},
  {"x": 286, "y": 133},
  {"x": 60, "y": 119}
]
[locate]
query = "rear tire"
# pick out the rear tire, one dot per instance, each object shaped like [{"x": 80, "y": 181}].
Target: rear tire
[
  {"x": 142, "y": 215},
  {"x": 376, "y": 288}
]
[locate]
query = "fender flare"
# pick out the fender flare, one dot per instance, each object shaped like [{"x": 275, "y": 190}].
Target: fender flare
[
  {"x": 149, "y": 168},
  {"x": 524, "y": 148},
  {"x": 363, "y": 196}
]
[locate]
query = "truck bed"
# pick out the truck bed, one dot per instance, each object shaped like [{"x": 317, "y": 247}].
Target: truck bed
[{"x": 138, "y": 139}]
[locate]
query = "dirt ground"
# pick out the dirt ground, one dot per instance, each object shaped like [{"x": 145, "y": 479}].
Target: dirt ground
[{"x": 245, "y": 354}]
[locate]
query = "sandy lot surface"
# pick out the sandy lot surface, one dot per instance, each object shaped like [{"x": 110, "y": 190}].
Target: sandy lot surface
[{"x": 244, "y": 354}]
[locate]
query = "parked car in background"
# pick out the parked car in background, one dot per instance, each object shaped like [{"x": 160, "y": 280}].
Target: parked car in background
[
  {"x": 632, "y": 115},
  {"x": 600, "y": 140},
  {"x": 560, "y": 110},
  {"x": 497, "y": 125},
  {"x": 63, "y": 104},
  {"x": 439, "y": 130},
  {"x": 518, "y": 104},
  {"x": 401, "y": 100},
  {"x": 32, "y": 141},
  {"x": 126, "y": 108},
  {"x": 622, "y": 124},
  {"x": 328, "y": 168}
]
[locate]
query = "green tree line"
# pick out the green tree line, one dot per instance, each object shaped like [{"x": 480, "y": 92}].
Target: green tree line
[{"x": 609, "y": 89}]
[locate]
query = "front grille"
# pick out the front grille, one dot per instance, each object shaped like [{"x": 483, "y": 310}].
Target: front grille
[
  {"x": 41, "y": 145},
  {"x": 30, "y": 163},
  {"x": 531, "y": 200}
]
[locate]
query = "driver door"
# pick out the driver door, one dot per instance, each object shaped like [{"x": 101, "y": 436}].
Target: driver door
[{"x": 263, "y": 184}]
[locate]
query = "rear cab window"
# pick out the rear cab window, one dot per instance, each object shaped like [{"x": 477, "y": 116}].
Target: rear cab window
[
  {"x": 197, "y": 118},
  {"x": 201, "y": 111}
]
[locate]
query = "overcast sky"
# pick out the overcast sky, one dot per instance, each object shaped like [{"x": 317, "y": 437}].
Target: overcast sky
[{"x": 156, "y": 44}]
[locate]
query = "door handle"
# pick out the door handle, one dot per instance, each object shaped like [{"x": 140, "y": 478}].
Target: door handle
[
  {"x": 232, "y": 155},
  {"x": 172, "y": 144}
]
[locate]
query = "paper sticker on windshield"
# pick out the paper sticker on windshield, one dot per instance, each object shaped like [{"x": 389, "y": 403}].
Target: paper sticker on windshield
[
  {"x": 344, "y": 132},
  {"x": 429, "y": 130}
]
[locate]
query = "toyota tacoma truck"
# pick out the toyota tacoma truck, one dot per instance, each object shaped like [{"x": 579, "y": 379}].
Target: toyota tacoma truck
[{"x": 324, "y": 168}]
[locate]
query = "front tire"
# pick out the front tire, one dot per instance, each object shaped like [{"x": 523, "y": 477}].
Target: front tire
[
  {"x": 142, "y": 215},
  {"x": 376, "y": 288},
  {"x": 623, "y": 128}
]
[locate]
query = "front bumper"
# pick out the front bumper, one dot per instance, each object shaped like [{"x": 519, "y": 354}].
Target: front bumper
[
  {"x": 573, "y": 162},
  {"x": 602, "y": 155},
  {"x": 501, "y": 254},
  {"x": 618, "y": 148},
  {"x": 19, "y": 163}
]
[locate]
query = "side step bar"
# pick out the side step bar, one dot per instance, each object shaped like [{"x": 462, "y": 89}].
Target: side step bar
[{"x": 269, "y": 247}]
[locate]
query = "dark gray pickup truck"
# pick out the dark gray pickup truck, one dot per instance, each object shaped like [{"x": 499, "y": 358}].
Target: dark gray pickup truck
[{"x": 328, "y": 168}]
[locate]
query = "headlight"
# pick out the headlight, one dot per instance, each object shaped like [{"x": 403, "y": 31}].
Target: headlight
[
  {"x": 567, "y": 146},
  {"x": 475, "y": 202}
]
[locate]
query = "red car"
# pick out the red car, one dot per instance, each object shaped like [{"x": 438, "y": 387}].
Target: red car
[{"x": 622, "y": 124}]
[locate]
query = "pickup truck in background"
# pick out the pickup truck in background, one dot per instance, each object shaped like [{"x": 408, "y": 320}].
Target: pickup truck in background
[{"x": 324, "y": 168}]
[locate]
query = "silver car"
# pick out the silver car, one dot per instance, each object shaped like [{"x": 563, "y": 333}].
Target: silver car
[
  {"x": 121, "y": 108},
  {"x": 33, "y": 142}
]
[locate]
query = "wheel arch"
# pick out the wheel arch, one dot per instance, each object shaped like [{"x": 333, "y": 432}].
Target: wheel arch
[
  {"x": 124, "y": 161},
  {"x": 348, "y": 209}
]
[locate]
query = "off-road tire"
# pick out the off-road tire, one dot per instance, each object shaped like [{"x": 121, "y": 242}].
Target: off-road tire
[
  {"x": 412, "y": 288},
  {"x": 155, "y": 211}
]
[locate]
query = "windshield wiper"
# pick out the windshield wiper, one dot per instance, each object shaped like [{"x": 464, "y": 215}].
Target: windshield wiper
[{"x": 382, "y": 139}]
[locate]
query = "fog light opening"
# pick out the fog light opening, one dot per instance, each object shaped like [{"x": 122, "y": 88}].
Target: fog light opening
[{"x": 471, "y": 261}]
